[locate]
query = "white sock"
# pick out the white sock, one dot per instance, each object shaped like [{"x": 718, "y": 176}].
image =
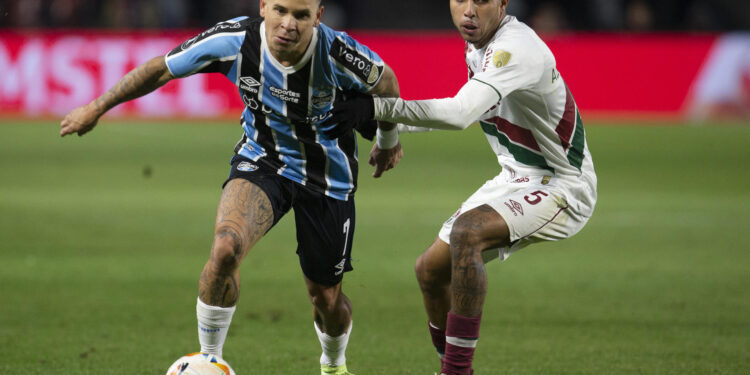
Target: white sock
[
  {"x": 334, "y": 348},
  {"x": 213, "y": 324}
]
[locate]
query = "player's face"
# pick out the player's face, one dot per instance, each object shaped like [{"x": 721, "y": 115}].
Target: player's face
[
  {"x": 289, "y": 26},
  {"x": 478, "y": 20}
]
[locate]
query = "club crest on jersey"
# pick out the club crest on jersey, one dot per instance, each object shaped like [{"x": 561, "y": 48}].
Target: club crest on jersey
[
  {"x": 321, "y": 98},
  {"x": 356, "y": 62},
  {"x": 249, "y": 84},
  {"x": 501, "y": 58},
  {"x": 246, "y": 166}
]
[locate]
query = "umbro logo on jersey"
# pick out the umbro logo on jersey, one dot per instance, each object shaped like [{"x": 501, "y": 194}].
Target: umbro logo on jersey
[
  {"x": 246, "y": 166},
  {"x": 514, "y": 207},
  {"x": 249, "y": 84}
]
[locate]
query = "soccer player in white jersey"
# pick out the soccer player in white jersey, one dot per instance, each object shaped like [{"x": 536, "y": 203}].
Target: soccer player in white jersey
[
  {"x": 288, "y": 68},
  {"x": 546, "y": 189}
]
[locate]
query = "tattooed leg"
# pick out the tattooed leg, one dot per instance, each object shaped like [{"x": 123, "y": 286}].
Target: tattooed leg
[
  {"x": 243, "y": 217},
  {"x": 474, "y": 231}
]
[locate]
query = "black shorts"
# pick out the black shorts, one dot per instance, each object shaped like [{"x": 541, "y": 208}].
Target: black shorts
[{"x": 325, "y": 226}]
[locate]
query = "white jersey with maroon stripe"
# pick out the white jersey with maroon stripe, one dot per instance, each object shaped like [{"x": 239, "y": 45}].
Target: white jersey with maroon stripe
[
  {"x": 536, "y": 123},
  {"x": 532, "y": 123}
]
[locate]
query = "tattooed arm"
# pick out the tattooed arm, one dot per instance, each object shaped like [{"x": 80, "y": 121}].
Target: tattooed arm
[{"x": 139, "y": 82}]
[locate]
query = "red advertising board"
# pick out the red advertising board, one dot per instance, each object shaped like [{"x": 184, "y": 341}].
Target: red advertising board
[{"x": 48, "y": 73}]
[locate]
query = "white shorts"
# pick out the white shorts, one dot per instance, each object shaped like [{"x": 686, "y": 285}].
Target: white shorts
[{"x": 536, "y": 208}]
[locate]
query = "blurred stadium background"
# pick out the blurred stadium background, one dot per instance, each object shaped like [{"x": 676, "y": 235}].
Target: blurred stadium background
[
  {"x": 102, "y": 238},
  {"x": 678, "y": 60}
]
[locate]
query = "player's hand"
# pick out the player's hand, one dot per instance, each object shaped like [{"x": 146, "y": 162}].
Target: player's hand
[
  {"x": 81, "y": 120},
  {"x": 352, "y": 110},
  {"x": 384, "y": 160}
]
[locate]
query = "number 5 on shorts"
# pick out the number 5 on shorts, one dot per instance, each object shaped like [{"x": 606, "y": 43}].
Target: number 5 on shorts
[{"x": 536, "y": 198}]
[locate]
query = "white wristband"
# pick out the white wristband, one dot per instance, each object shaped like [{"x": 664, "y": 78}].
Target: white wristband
[{"x": 387, "y": 139}]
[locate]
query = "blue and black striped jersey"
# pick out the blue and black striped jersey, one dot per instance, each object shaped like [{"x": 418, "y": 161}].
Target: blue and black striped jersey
[{"x": 285, "y": 106}]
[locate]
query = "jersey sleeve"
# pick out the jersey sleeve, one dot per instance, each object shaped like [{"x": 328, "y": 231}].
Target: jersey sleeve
[
  {"x": 455, "y": 113},
  {"x": 510, "y": 67},
  {"x": 355, "y": 66},
  {"x": 214, "y": 50}
]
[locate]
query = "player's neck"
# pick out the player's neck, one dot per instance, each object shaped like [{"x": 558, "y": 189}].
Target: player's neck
[{"x": 288, "y": 58}]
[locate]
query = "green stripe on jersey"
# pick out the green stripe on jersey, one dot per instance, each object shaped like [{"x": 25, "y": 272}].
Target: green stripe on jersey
[
  {"x": 520, "y": 153},
  {"x": 500, "y": 96},
  {"x": 575, "y": 152}
]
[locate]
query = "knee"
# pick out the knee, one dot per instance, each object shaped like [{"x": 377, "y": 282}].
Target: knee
[
  {"x": 226, "y": 251},
  {"x": 323, "y": 299},
  {"x": 465, "y": 236},
  {"x": 477, "y": 230},
  {"x": 429, "y": 276}
]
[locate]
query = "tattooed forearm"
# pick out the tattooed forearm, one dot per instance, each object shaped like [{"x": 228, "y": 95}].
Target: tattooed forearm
[{"x": 139, "y": 82}]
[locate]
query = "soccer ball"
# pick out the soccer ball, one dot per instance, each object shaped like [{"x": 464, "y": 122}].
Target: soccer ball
[{"x": 200, "y": 364}]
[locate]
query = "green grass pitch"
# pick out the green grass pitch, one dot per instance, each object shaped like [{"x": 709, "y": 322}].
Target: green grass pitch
[{"x": 102, "y": 239}]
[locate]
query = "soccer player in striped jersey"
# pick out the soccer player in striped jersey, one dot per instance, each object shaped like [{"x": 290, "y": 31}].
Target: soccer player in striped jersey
[
  {"x": 289, "y": 68},
  {"x": 546, "y": 188}
]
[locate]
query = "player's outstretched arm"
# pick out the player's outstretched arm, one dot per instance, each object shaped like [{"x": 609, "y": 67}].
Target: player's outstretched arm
[
  {"x": 140, "y": 81},
  {"x": 455, "y": 113}
]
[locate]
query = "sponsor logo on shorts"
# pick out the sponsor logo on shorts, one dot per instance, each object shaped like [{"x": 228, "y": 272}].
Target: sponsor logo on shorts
[
  {"x": 340, "y": 267},
  {"x": 514, "y": 207},
  {"x": 453, "y": 218},
  {"x": 246, "y": 166},
  {"x": 521, "y": 179}
]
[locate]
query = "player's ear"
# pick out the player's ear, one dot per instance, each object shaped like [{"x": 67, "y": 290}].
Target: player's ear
[
  {"x": 319, "y": 15},
  {"x": 262, "y": 8}
]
